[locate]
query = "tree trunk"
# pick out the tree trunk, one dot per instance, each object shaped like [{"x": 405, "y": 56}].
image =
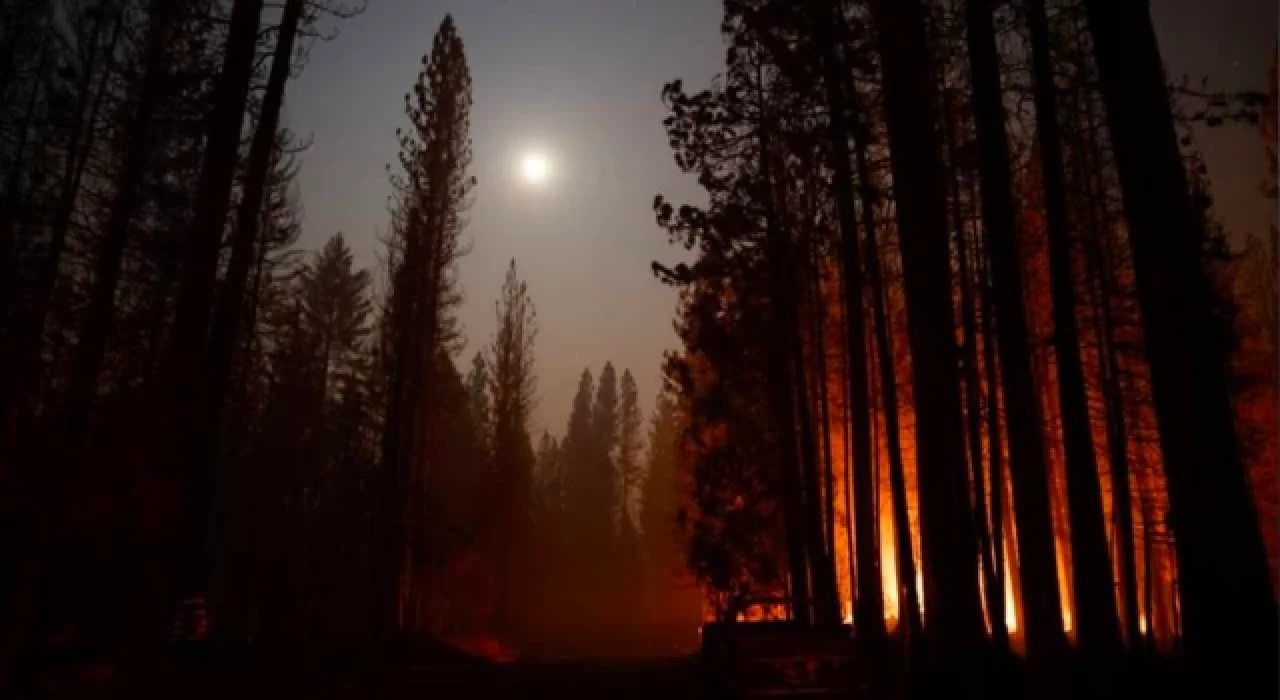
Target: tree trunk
[
  {"x": 138, "y": 141},
  {"x": 973, "y": 391},
  {"x": 186, "y": 355},
  {"x": 1117, "y": 435},
  {"x": 15, "y": 376},
  {"x": 1099, "y": 270},
  {"x": 216, "y": 376},
  {"x": 908, "y": 595},
  {"x": 870, "y": 595},
  {"x": 950, "y": 554},
  {"x": 27, "y": 340},
  {"x": 11, "y": 205},
  {"x": 227, "y": 317},
  {"x": 994, "y": 592},
  {"x": 804, "y": 585},
  {"x": 1229, "y": 612},
  {"x": 826, "y": 601},
  {"x": 1043, "y": 613},
  {"x": 995, "y": 458},
  {"x": 1097, "y": 629},
  {"x": 818, "y": 314}
]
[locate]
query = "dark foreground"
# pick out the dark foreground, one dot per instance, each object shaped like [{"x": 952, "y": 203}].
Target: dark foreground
[
  {"x": 674, "y": 679},
  {"x": 434, "y": 672}
]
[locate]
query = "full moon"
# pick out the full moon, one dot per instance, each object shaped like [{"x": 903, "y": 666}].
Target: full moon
[{"x": 535, "y": 168}]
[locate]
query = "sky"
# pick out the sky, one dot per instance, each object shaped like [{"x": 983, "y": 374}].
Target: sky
[{"x": 579, "y": 80}]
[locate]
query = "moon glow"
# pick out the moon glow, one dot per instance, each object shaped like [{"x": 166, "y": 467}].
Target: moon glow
[{"x": 535, "y": 168}]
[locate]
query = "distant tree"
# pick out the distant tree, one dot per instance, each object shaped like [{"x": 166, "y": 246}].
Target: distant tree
[
  {"x": 599, "y": 528},
  {"x": 583, "y": 491},
  {"x": 549, "y": 484},
  {"x": 605, "y": 418},
  {"x": 576, "y": 448},
  {"x": 335, "y": 302},
  {"x": 512, "y": 384},
  {"x": 627, "y": 452},
  {"x": 658, "y": 526},
  {"x": 478, "y": 400}
]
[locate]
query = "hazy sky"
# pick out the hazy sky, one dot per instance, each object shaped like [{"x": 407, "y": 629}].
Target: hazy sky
[{"x": 580, "y": 81}]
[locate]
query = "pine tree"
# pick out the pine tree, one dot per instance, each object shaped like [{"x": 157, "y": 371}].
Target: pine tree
[
  {"x": 478, "y": 401},
  {"x": 512, "y": 386},
  {"x": 605, "y": 419},
  {"x": 658, "y": 524},
  {"x": 336, "y": 308},
  {"x": 431, "y": 192},
  {"x": 549, "y": 478},
  {"x": 627, "y": 451},
  {"x": 582, "y": 493}
]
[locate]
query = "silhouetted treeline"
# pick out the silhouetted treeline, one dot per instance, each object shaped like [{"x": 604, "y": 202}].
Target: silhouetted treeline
[
  {"x": 959, "y": 276},
  {"x": 210, "y": 434},
  {"x": 612, "y": 578}
]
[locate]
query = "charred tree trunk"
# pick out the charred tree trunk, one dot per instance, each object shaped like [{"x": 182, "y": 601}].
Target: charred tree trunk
[
  {"x": 1097, "y": 629},
  {"x": 1043, "y": 613},
  {"x": 950, "y": 554},
  {"x": 1227, "y": 601}
]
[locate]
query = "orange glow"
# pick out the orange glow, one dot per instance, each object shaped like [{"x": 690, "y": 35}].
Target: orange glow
[{"x": 1149, "y": 504}]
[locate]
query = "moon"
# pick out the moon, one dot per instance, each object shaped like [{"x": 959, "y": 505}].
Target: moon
[{"x": 535, "y": 168}]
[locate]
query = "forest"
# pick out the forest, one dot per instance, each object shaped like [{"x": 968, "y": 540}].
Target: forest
[
  {"x": 967, "y": 364},
  {"x": 960, "y": 275}
]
